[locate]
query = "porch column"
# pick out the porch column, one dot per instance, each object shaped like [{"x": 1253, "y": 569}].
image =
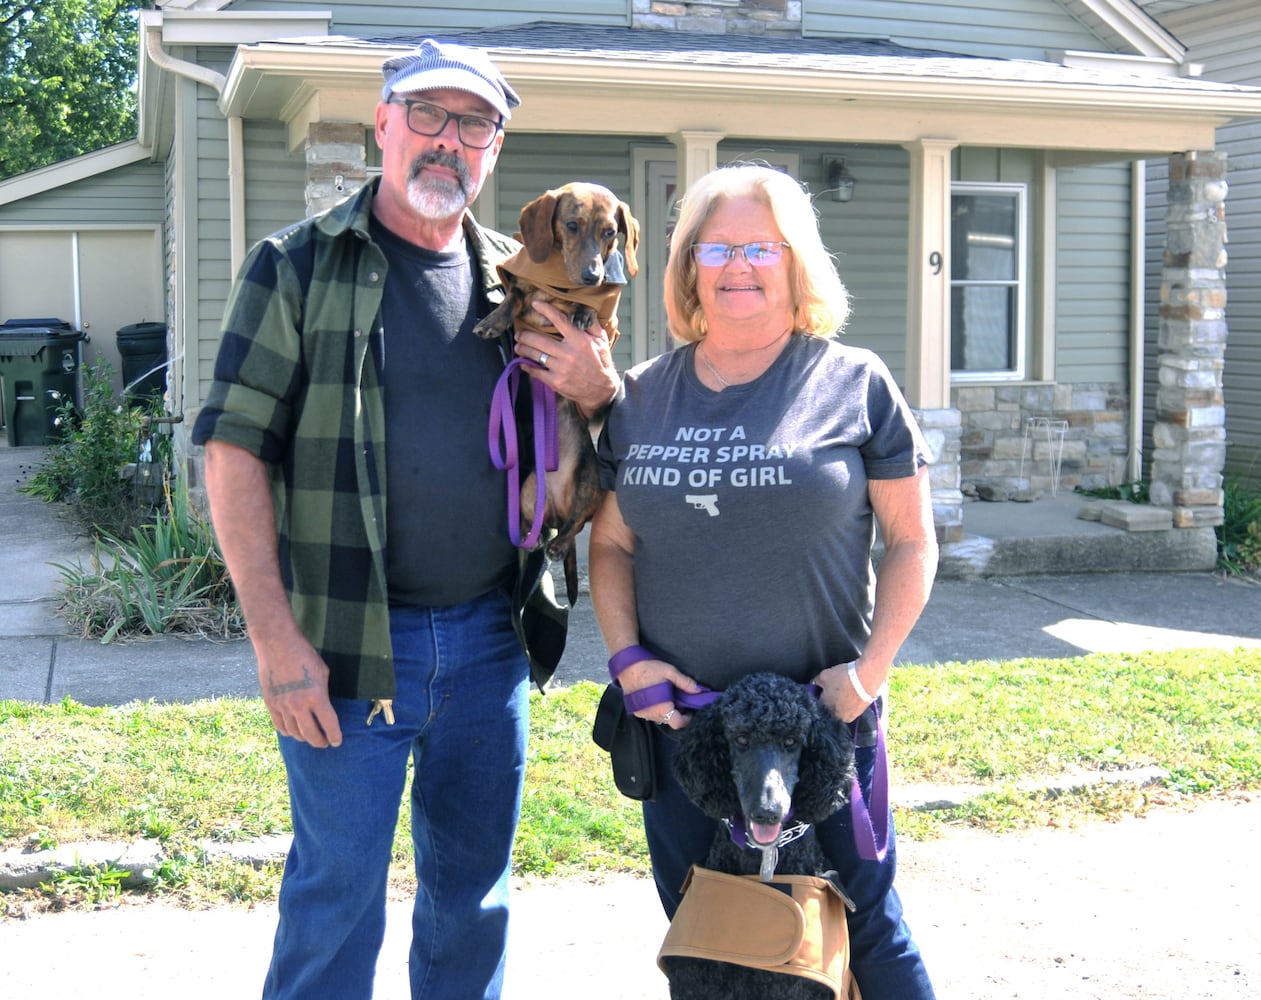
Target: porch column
[
  {"x": 697, "y": 152},
  {"x": 336, "y": 163},
  {"x": 928, "y": 275},
  {"x": 928, "y": 328},
  {"x": 1190, "y": 429}
]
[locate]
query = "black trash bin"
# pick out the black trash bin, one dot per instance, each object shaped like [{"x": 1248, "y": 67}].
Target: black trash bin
[
  {"x": 142, "y": 347},
  {"x": 39, "y": 370}
]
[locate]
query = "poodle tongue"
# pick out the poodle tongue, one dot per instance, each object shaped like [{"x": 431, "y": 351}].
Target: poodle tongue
[{"x": 764, "y": 834}]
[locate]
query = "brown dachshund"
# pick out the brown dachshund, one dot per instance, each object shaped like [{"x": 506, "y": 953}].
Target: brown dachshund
[{"x": 570, "y": 258}]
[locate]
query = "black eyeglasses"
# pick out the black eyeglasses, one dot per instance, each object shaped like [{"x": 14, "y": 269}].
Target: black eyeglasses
[
  {"x": 760, "y": 253},
  {"x": 424, "y": 118}
]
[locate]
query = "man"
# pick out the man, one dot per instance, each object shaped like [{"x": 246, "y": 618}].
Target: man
[{"x": 365, "y": 531}]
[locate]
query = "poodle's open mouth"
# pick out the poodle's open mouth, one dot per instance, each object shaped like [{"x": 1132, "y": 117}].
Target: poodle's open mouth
[{"x": 763, "y": 834}]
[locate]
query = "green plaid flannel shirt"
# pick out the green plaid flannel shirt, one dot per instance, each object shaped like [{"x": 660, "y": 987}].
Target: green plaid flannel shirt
[{"x": 294, "y": 384}]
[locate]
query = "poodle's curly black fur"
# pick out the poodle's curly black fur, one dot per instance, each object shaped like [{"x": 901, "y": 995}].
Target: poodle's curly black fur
[{"x": 766, "y": 743}]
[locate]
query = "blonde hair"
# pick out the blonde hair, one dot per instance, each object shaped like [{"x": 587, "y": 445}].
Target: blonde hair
[{"x": 820, "y": 302}]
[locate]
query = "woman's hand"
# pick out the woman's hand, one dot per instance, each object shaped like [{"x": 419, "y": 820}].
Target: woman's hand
[
  {"x": 839, "y": 695},
  {"x": 645, "y": 674}
]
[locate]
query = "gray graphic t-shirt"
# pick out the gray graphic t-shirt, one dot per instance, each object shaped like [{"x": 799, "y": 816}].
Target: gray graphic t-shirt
[{"x": 749, "y": 507}]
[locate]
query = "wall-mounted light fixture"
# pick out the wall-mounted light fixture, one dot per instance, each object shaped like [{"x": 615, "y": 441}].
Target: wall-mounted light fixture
[{"x": 839, "y": 180}]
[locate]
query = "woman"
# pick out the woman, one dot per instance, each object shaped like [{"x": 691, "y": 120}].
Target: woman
[{"x": 746, "y": 472}]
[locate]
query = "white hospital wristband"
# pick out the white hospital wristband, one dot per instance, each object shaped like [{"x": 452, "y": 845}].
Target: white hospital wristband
[{"x": 858, "y": 685}]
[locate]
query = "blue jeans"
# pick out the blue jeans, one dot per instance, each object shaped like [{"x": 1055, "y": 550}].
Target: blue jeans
[
  {"x": 884, "y": 959},
  {"x": 461, "y": 714}
]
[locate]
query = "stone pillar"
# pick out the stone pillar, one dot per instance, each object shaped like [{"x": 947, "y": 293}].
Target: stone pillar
[
  {"x": 1190, "y": 430},
  {"x": 943, "y": 430},
  {"x": 336, "y": 163},
  {"x": 717, "y": 17}
]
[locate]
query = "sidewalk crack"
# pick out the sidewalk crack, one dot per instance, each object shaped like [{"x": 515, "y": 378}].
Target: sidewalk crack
[{"x": 52, "y": 666}]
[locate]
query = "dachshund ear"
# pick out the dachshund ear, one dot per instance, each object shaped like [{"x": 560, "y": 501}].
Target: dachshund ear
[
  {"x": 536, "y": 226},
  {"x": 826, "y": 771},
  {"x": 629, "y": 225},
  {"x": 702, "y": 765}
]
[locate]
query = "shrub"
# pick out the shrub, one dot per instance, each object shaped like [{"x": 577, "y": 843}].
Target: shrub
[
  {"x": 156, "y": 567},
  {"x": 167, "y": 577},
  {"x": 85, "y": 468},
  {"x": 1239, "y": 534}
]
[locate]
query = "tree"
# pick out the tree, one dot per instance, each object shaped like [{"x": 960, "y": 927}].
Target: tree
[{"x": 67, "y": 79}]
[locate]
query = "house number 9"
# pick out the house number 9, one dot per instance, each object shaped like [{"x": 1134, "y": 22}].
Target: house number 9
[{"x": 935, "y": 262}]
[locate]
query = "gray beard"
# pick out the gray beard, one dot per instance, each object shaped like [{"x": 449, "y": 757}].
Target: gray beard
[{"x": 437, "y": 200}]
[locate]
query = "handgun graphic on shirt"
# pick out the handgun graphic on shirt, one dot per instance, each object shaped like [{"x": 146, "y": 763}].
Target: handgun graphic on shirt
[{"x": 707, "y": 502}]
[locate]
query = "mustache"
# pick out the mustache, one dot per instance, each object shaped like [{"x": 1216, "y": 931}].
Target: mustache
[{"x": 449, "y": 161}]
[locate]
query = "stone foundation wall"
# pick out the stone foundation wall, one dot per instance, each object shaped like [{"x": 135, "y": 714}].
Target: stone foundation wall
[
  {"x": 942, "y": 433},
  {"x": 717, "y": 17},
  {"x": 994, "y": 436}
]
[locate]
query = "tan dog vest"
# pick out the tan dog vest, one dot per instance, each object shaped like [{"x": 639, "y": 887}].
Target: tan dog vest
[
  {"x": 551, "y": 277},
  {"x": 740, "y": 919}
]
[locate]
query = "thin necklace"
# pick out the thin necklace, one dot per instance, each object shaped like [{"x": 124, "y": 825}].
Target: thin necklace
[{"x": 700, "y": 349}]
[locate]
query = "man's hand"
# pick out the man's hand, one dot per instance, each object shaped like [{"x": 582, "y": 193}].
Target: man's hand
[
  {"x": 293, "y": 676},
  {"x": 579, "y": 364},
  {"x": 294, "y": 682}
]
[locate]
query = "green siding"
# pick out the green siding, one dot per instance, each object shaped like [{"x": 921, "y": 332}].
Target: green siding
[
  {"x": 128, "y": 195},
  {"x": 275, "y": 179},
  {"x": 1155, "y": 205},
  {"x": 1013, "y": 29},
  {"x": 208, "y": 274},
  {"x": 1093, "y": 274},
  {"x": 370, "y": 18},
  {"x": 869, "y": 237}
]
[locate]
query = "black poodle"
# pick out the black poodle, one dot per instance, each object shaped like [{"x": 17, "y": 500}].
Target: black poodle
[{"x": 764, "y": 759}]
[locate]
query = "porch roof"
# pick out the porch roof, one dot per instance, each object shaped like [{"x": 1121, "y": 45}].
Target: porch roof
[{"x": 593, "y": 80}]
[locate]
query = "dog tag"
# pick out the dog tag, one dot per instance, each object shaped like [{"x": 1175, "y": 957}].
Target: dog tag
[{"x": 770, "y": 859}]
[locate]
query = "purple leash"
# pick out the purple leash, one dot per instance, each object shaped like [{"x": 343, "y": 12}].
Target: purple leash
[
  {"x": 503, "y": 427},
  {"x": 870, "y": 837}
]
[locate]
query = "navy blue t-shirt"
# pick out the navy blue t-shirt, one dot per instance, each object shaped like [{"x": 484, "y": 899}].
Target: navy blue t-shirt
[{"x": 446, "y": 524}]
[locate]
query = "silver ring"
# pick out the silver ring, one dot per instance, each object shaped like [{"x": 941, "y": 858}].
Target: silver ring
[
  {"x": 543, "y": 358},
  {"x": 669, "y": 715}
]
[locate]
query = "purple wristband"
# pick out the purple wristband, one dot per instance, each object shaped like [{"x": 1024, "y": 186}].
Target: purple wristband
[{"x": 627, "y": 657}]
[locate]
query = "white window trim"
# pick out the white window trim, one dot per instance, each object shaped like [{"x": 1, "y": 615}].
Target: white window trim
[{"x": 1021, "y": 363}]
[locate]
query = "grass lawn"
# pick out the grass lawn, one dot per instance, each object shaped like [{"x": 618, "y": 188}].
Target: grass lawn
[{"x": 190, "y": 774}]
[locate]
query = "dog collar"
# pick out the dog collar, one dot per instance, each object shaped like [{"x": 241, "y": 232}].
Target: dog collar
[
  {"x": 740, "y": 837},
  {"x": 770, "y": 852}
]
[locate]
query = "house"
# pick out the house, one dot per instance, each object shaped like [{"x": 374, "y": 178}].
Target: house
[
  {"x": 979, "y": 170},
  {"x": 82, "y": 241},
  {"x": 1223, "y": 36}
]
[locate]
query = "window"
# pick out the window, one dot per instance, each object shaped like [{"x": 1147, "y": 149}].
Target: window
[{"x": 987, "y": 282}]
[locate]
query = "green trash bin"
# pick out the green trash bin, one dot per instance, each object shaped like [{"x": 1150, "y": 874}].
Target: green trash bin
[{"x": 39, "y": 370}]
